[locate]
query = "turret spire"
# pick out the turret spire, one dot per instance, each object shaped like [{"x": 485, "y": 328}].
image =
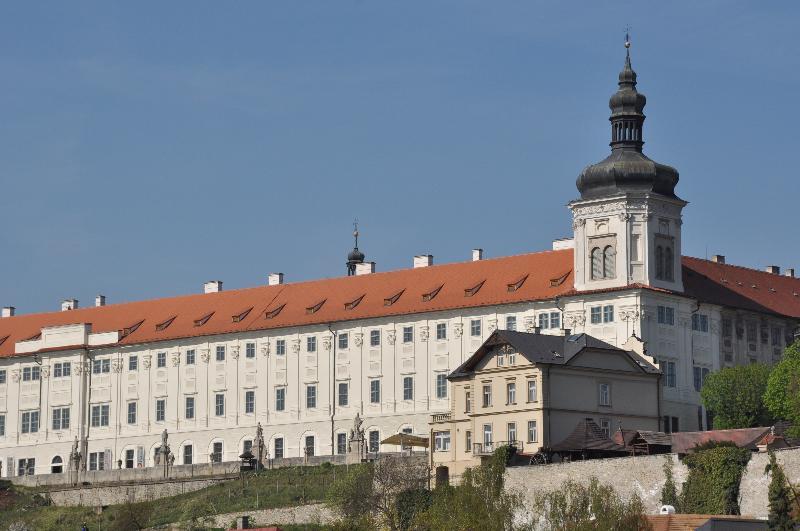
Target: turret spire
[{"x": 355, "y": 256}]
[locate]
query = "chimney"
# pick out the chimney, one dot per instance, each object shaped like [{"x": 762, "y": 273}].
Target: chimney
[
  {"x": 537, "y": 330},
  {"x": 365, "y": 268},
  {"x": 275, "y": 279},
  {"x": 242, "y": 522},
  {"x": 212, "y": 286},
  {"x": 423, "y": 260},
  {"x": 567, "y": 332},
  {"x": 775, "y": 270},
  {"x": 69, "y": 304},
  {"x": 789, "y": 272},
  {"x": 477, "y": 254},
  {"x": 718, "y": 258},
  {"x": 7, "y": 311},
  {"x": 100, "y": 300}
]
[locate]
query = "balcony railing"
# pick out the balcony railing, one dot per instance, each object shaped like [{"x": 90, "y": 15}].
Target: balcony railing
[
  {"x": 488, "y": 448},
  {"x": 441, "y": 417}
]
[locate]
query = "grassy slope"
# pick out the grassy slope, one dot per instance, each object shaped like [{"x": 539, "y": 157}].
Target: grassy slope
[{"x": 271, "y": 488}]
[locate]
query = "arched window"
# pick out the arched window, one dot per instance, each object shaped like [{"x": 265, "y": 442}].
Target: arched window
[
  {"x": 668, "y": 264},
  {"x": 597, "y": 263},
  {"x": 609, "y": 262},
  {"x": 660, "y": 263},
  {"x": 56, "y": 465}
]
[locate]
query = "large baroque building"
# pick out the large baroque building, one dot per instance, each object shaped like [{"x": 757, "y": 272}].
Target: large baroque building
[{"x": 304, "y": 358}]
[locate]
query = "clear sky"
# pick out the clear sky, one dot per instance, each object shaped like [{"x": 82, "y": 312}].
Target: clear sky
[{"x": 146, "y": 147}]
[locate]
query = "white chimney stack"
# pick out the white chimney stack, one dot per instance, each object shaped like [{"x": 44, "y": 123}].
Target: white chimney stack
[
  {"x": 100, "y": 300},
  {"x": 477, "y": 254},
  {"x": 775, "y": 270},
  {"x": 365, "y": 268},
  {"x": 69, "y": 304},
  {"x": 718, "y": 258},
  {"x": 275, "y": 279},
  {"x": 789, "y": 272},
  {"x": 423, "y": 260},
  {"x": 7, "y": 311},
  {"x": 212, "y": 286}
]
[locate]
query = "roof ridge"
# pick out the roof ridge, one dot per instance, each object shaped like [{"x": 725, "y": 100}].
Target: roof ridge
[{"x": 745, "y": 268}]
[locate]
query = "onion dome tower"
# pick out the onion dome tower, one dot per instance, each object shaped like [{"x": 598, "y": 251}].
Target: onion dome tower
[
  {"x": 355, "y": 256},
  {"x": 627, "y": 168},
  {"x": 627, "y": 222}
]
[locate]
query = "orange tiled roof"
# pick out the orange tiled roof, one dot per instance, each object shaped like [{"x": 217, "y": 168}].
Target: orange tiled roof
[
  {"x": 527, "y": 277},
  {"x": 690, "y": 522},
  {"x": 406, "y": 291}
]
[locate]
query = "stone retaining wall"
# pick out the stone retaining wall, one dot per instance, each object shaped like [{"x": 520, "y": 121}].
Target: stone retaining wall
[{"x": 94, "y": 496}]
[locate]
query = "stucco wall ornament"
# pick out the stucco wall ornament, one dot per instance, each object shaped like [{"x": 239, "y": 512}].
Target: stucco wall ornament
[{"x": 391, "y": 337}]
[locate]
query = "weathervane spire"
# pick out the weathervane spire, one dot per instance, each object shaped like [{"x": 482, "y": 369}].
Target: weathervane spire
[{"x": 628, "y": 42}]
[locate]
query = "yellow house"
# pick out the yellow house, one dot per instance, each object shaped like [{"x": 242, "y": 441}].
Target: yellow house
[{"x": 531, "y": 390}]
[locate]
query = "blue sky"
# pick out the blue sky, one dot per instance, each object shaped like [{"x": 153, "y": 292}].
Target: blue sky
[{"x": 146, "y": 147}]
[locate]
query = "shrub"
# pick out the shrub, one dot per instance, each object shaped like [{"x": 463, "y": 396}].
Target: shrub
[{"x": 712, "y": 486}]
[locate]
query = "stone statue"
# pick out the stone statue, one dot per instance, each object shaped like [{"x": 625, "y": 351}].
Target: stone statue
[
  {"x": 356, "y": 446},
  {"x": 357, "y": 432},
  {"x": 258, "y": 444},
  {"x": 75, "y": 455},
  {"x": 164, "y": 438}
]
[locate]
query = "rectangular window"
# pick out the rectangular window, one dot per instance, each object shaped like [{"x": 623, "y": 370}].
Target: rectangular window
[
  {"x": 341, "y": 443},
  {"x": 189, "y": 407},
  {"x": 343, "y": 398},
  {"x": 777, "y": 336},
  {"x": 532, "y": 432},
  {"x": 130, "y": 458},
  {"x": 100, "y": 415},
  {"x": 250, "y": 350},
  {"x": 249, "y": 402},
  {"x": 219, "y": 405},
  {"x": 375, "y": 391},
  {"x": 608, "y": 314},
  {"x": 280, "y": 347},
  {"x": 666, "y": 315},
  {"x": 30, "y": 422},
  {"x": 511, "y": 323},
  {"x": 2, "y": 377},
  {"x": 161, "y": 360},
  {"x": 467, "y": 441},
  {"x": 669, "y": 373},
  {"x": 511, "y": 393},
  {"x": 751, "y": 332},
  {"x": 30, "y": 374},
  {"x": 512, "y": 357},
  {"x": 699, "y": 322},
  {"x": 441, "y": 441},
  {"x": 531, "y": 390},
  {"x": 605, "y": 394},
  {"x": 97, "y": 461},
  {"x": 278, "y": 447},
  {"x": 408, "y": 334},
  {"x": 61, "y": 418},
  {"x": 220, "y": 353},
  {"x": 132, "y": 412},
  {"x": 501, "y": 359},
  {"x": 190, "y": 356},
  {"x": 487, "y": 437},
  {"x": 596, "y": 315},
  {"x": 699, "y": 376},
  {"x": 727, "y": 327},
  {"x": 441, "y": 331},
  {"x": 25, "y": 467},
  {"x": 374, "y": 441},
  {"x": 475, "y": 328},
  {"x": 408, "y": 388},
  {"x": 280, "y": 399},
  {"x": 188, "y": 454},
  {"x": 2, "y": 425},
  {"x": 605, "y": 427},
  {"x": 61, "y": 370},
  {"x": 555, "y": 320},
  {"x": 216, "y": 453},
  {"x": 161, "y": 410},
  {"x": 310, "y": 443},
  {"x": 441, "y": 386},
  {"x": 375, "y": 338},
  {"x": 133, "y": 363},
  {"x": 487, "y": 395},
  {"x": 344, "y": 340},
  {"x": 544, "y": 321},
  {"x": 311, "y": 344},
  {"x": 467, "y": 402},
  {"x": 511, "y": 432},
  {"x": 311, "y": 396}
]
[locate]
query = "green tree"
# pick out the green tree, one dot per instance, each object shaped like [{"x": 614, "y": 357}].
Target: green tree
[
  {"x": 669, "y": 493},
  {"x": 781, "y": 396},
  {"x": 350, "y": 496},
  {"x": 734, "y": 396},
  {"x": 780, "y": 505},
  {"x": 712, "y": 486},
  {"x": 577, "y": 507},
  {"x": 479, "y": 502}
]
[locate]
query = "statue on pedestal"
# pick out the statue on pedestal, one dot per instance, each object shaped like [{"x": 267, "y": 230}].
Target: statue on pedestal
[
  {"x": 356, "y": 445},
  {"x": 259, "y": 446}
]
